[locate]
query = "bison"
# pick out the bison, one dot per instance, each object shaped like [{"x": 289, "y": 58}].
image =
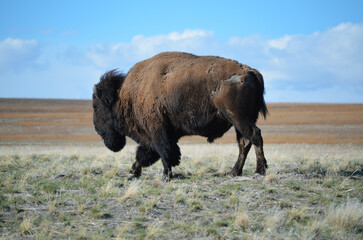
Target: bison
[{"x": 175, "y": 94}]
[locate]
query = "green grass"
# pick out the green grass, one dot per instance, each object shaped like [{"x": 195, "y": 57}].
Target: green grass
[{"x": 80, "y": 196}]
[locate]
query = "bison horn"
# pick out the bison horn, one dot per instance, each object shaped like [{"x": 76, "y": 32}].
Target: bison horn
[{"x": 95, "y": 91}]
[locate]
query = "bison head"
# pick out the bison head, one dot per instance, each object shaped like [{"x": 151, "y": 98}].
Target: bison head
[{"x": 104, "y": 99}]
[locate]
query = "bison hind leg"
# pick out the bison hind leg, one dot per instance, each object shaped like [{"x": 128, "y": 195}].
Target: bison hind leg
[
  {"x": 260, "y": 156},
  {"x": 244, "y": 147},
  {"x": 249, "y": 131},
  {"x": 169, "y": 152},
  {"x": 255, "y": 137}
]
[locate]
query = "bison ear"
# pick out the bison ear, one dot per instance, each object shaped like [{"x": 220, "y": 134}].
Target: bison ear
[
  {"x": 107, "y": 90},
  {"x": 108, "y": 98}
]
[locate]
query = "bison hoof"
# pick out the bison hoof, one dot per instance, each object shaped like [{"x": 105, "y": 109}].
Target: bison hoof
[
  {"x": 257, "y": 176},
  {"x": 261, "y": 172},
  {"x": 235, "y": 173},
  {"x": 134, "y": 173},
  {"x": 131, "y": 176},
  {"x": 167, "y": 177}
]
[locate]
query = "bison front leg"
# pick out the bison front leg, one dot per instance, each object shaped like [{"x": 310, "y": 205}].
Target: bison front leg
[
  {"x": 170, "y": 156},
  {"x": 167, "y": 173},
  {"x": 144, "y": 157}
]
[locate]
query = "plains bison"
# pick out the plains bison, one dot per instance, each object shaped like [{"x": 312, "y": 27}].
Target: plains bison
[{"x": 175, "y": 94}]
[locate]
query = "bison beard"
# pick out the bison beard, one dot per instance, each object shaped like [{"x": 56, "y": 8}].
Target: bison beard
[{"x": 176, "y": 94}]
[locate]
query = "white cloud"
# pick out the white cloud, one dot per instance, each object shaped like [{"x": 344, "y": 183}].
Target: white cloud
[
  {"x": 124, "y": 55},
  {"x": 321, "y": 60},
  {"x": 318, "y": 67},
  {"x": 175, "y": 36},
  {"x": 18, "y": 54},
  {"x": 279, "y": 43}
]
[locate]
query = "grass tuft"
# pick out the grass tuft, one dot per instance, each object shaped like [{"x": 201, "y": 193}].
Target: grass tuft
[
  {"x": 347, "y": 216},
  {"x": 52, "y": 207},
  {"x": 26, "y": 227},
  {"x": 271, "y": 177},
  {"x": 297, "y": 215},
  {"x": 130, "y": 192},
  {"x": 153, "y": 230},
  {"x": 242, "y": 220}
]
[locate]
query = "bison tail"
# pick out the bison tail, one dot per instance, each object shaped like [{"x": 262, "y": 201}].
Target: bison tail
[{"x": 260, "y": 87}]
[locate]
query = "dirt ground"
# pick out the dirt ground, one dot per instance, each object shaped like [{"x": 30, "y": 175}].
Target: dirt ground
[{"x": 40, "y": 120}]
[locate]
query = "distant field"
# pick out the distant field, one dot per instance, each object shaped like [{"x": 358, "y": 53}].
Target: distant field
[{"x": 24, "y": 120}]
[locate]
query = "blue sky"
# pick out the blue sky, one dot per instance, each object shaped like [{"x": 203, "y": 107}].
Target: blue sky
[{"x": 308, "y": 51}]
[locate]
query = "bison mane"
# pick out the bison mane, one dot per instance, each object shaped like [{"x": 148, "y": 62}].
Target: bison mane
[{"x": 107, "y": 89}]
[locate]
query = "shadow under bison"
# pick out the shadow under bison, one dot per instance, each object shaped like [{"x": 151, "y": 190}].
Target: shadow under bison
[{"x": 175, "y": 94}]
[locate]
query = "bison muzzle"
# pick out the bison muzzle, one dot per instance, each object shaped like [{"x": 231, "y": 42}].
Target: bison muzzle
[{"x": 176, "y": 94}]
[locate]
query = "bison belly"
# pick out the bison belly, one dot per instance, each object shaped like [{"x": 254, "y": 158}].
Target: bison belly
[{"x": 197, "y": 116}]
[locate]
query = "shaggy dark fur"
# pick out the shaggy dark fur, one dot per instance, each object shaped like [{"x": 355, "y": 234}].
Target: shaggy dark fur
[{"x": 174, "y": 94}]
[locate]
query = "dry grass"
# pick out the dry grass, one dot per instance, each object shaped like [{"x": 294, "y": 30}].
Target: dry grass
[
  {"x": 347, "y": 216},
  {"x": 242, "y": 220},
  {"x": 81, "y": 192},
  {"x": 130, "y": 192},
  {"x": 270, "y": 177},
  {"x": 26, "y": 227}
]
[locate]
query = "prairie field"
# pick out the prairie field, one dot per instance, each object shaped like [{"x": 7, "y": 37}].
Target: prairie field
[
  {"x": 58, "y": 181},
  {"x": 71, "y": 120}
]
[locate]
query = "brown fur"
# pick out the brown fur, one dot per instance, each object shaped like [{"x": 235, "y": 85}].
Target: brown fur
[{"x": 174, "y": 94}]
